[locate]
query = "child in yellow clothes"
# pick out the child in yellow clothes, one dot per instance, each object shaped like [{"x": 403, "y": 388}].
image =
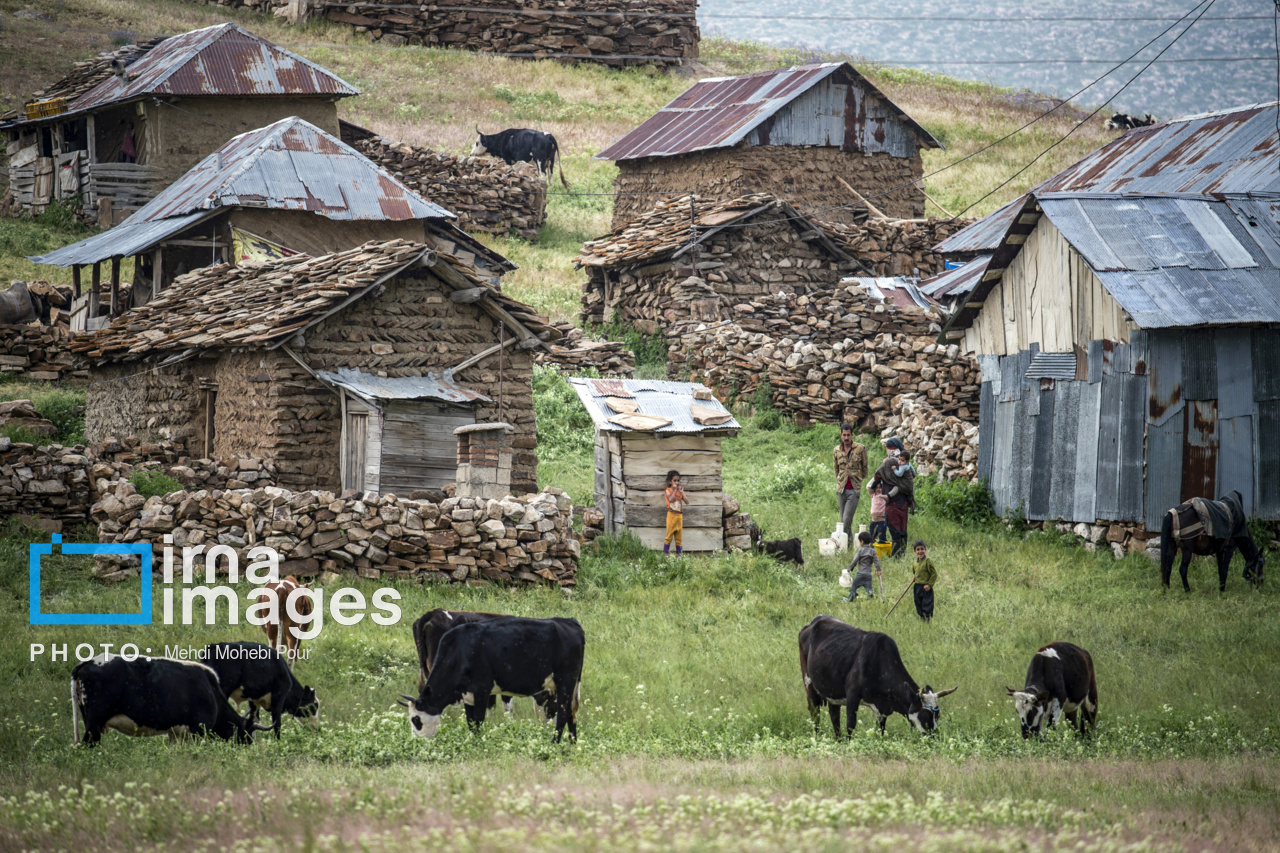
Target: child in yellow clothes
[{"x": 675, "y": 514}]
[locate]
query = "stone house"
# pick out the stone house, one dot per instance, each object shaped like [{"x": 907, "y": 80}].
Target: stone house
[
  {"x": 286, "y": 188},
  {"x": 689, "y": 259},
  {"x": 345, "y": 371},
  {"x": 1125, "y": 317},
  {"x": 170, "y": 102},
  {"x": 820, "y": 136}
]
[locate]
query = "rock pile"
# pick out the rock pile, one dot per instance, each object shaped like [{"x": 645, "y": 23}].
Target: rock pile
[
  {"x": 576, "y": 352},
  {"x": 840, "y": 356},
  {"x": 940, "y": 444},
  {"x": 39, "y": 353},
  {"x": 485, "y": 193},
  {"x": 50, "y": 482},
  {"x": 456, "y": 540},
  {"x": 23, "y": 415}
]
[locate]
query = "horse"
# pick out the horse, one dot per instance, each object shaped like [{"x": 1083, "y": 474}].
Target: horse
[{"x": 1183, "y": 530}]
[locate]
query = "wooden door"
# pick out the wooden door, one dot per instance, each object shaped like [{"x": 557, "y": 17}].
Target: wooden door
[{"x": 419, "y": 449}]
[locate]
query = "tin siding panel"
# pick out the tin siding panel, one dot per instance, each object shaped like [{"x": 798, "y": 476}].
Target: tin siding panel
[
  {"x": 1200, "y": 453},
  {"x": 1200, "y": 365},
  {"x": 986, "y": 430},
  {"x": 1235, "y": 374},
  {"x": 1138, "y": 353},
  {"x": 1066, "y": 425},
  {"x": 1266, "y": 365},
  {"x": 1086, "y": 453},
  {"x": 1109, "y": 449},
  {"x": 1039, "y": 476},
  {"x": 1001, "y": 455},
  {"x": 1268, "y": 483},
  {"x": 1024, "y": 439},
  {"x": 1095, "y": 362},
  {"x": 1010, "y": 381},
  {"x": 1235, "y": 458},
  {"x": 1164, "y": 469},
  {"x": 1164, "y": 372},
  {"x": 1133, "y": 402}
]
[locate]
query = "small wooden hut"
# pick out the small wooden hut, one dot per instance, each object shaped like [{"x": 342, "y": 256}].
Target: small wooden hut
[{"x": 645, "y": 428}]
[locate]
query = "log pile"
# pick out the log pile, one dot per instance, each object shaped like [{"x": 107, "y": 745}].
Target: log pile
[
  {"x": 941, "y": 445},
  {"x": 890, "y": 247},
  {"x": 39, "y": 353},
  {"x": 832, "y": 358},
  {"x": 575, "y": 352},
  {"x": 50, "y": 482},
  {"x": 455, "y": 540},
  {"x": 485, "y": 193}
]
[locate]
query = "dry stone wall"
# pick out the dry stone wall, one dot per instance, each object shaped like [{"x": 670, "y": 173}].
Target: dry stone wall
[
  {"x": 611, "y": 32},
  {"x": 942, "y": 445},
  {"x": 831, "y": 358},
  {"x": 39, "y": 353},
  {"x": 457, "y": 540},
  {"x": 485, "y": 193},
  {"x": 804, "y": 176}
]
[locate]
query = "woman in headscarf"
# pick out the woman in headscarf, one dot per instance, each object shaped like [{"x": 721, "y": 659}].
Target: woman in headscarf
[{"x": 897, "y": 479}]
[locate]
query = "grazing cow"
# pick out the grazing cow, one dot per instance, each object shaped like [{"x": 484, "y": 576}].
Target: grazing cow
[
  {"x": 281, "y": 591},
  {"x": 20, "y": 304},
  {"x": 844, "y": 665},
  {"x": 511, "y": 655},
  {"x": 433, "y": 625},
  {"x": 519, "y": 145},
  {"x": 1060, "y": 679},
  {"x": 151, "y": 696},
  {"x": 257, "y": 674},
  {"x": 1201, "y": 527},
  {"x": 1123, "y": 121},
  {"x": 787, "y": 550}
]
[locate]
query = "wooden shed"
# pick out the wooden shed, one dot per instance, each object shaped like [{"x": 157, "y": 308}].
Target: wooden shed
[{"x": 645, "y": 428}]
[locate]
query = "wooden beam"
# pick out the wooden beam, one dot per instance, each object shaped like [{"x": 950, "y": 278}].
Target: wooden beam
[
  {"x": 115, "y": 286},
  {"x": 871, "y": 208},
  {"x": 481, "y": 356},
  {"x": 137, "y": 275},
  {"x": 466, "y": 297},
  {"x": 75, "y": 279},
  {"x": 196, "y": 244},
  {"x": 157, "y": 271}
]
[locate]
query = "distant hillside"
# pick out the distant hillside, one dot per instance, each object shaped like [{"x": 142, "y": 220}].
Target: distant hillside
[{"x": 437, "y": 98}]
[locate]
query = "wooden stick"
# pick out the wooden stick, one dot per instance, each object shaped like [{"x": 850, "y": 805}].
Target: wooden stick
[
  {"x": 935, "y": 203},
  {"x": 875, "y": 211},
  {"x": 899, "y": 601}
]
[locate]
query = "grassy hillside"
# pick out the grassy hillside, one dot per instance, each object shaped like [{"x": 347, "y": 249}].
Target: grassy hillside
[{"x": 436, "y": 98}]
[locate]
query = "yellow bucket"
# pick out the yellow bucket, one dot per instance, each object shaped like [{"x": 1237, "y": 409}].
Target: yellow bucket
[{"x": 883, "y": 549}]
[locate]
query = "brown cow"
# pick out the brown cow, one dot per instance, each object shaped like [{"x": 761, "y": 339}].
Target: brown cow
[{"x": 281, "y": 591}]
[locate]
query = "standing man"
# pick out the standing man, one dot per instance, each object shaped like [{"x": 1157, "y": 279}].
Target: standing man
[{"x": 851, "y": 470}]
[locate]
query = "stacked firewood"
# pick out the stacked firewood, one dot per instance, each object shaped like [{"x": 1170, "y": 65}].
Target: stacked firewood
[
  {"x": 38, "y": 353},
  {"x": 940, "y": 444},
  {"x": 889, "y": 247},
  {"x": 576, "y": 352},
  {"x": 485, "y": 193}
]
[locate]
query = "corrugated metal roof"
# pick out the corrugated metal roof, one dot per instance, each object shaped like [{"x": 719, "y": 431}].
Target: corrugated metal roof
[
  {"x": 1052, "y": 365},
  {"x": 896, "y": 290},
  {"x": 1177, "y": 262},
  {"x": 957, "y": 282},
  {"x": 432, "y": 386},
  {"x": 124, "y": 240},
  {"x": 221, "y": 60},
  {"x": 654, "y": 397},
  {"x": 720, "y": 112},
  {"x": 985, "y": 234}
]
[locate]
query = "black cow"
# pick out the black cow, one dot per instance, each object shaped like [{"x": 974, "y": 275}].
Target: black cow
[
  {"x": 1060, "y": 679},
  {"x": 259, "y": 675},
  {"x": 787, "y": 550},
  {"x": 1123, "y": 121},
  {"x": 844, "y": 665},
  {"x": 431, "y": 627},
  {"x": 151, "y": 696},
  {"x": 521, "y": 145},
  {"x": 511, "y": 655}
]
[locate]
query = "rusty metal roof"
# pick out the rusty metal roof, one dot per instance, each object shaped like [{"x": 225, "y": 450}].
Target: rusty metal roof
[
  {"x": 429, "y": 386},
  {"x": 221, "y": 60},
  {"x": 720, "y": 112},
  {"x": 1227, "y": 152}
]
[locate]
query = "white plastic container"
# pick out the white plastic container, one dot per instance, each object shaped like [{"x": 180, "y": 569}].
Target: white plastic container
[
  {"x": 841, "y": 538},
  {"x": 827, "y": 547}
]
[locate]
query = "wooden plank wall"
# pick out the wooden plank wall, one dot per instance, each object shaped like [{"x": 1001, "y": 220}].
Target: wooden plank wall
[
  {"x": 419, "y": 449},
  {"x": 631, "y": 471}
]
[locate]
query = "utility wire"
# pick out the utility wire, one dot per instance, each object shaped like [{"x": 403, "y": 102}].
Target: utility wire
[{"x": 1099, "y": 109}]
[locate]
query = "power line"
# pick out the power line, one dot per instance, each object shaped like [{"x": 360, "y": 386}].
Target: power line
[{"x": 1099, "y": 109}]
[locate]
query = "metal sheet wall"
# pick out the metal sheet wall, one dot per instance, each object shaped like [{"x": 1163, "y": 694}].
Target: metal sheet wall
[
  {"x": 1235, "y": 457},
  {"x": 986, "y": 427},
  {"x": 1041, "y": 457},
  {"x": 1062, "y": 470},
  {"x": 1267, "y": 499}
]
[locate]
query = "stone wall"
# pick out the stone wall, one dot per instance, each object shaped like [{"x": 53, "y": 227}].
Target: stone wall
[
  {"x": 458, "y": 540},
  {"x": 38, "y": 353},
  {"x": 942, "y": 445},
  {"x": 485, "y": 193},
  {"x": 611, "y": 32},
  {"x": 804, "y": 176},
  {"x": 834, "y": 357},
  {"x": 735, "y": 265}
]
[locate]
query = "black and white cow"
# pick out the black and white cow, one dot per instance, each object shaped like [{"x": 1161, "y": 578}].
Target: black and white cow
[
  {"x": 521, "y": 145},
  {"x": 510, "y": 655},
  {"x": 846, "y": 666},
  {"x": 152, "y": 696},
  {"x": 1060, "y": 680},
  {"x": 258, "y": 674},
  {"x": 427, "y": 633},
  {"x": 1124, "y": 121}
]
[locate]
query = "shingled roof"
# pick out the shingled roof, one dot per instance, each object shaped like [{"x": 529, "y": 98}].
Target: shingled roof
[
  {"x": 85, "y": 75},
  {"x": 263, "y": 305},
  {"x": 667, "y": 230}
]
